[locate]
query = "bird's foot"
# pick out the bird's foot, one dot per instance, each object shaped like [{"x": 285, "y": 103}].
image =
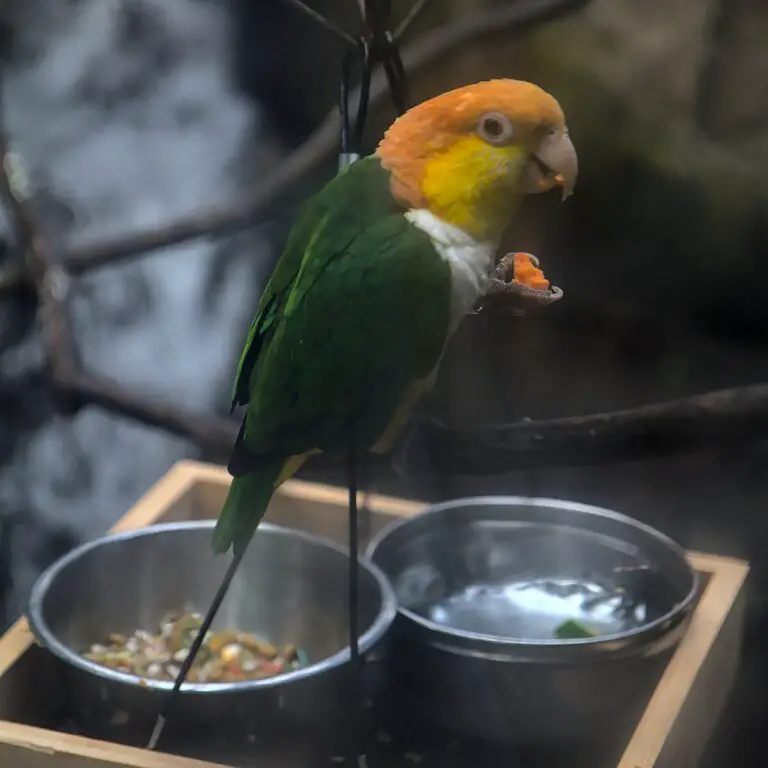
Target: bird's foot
[{"x": 518, "y": 285}]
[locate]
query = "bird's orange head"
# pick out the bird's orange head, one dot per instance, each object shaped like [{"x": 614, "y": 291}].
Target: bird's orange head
[{"x": 470, "y": 155}]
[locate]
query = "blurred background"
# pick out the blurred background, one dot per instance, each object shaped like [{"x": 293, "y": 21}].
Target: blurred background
[{"x": 129, "y": 113}]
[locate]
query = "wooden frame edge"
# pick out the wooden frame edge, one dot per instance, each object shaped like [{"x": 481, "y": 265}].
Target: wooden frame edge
[
  {"x": 666, "y": 704},
  {"x": 171, "y": 487},
  {"x": 304, "y": 490},
  {"x": 20, "y": 743}
]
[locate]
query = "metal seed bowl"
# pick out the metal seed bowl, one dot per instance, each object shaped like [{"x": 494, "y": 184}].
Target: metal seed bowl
[
  {"x": 290, "y": 588},
  {"x": 482, "y": 585}
]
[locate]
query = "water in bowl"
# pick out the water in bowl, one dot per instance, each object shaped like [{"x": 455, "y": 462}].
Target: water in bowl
[{"x": 523, "y": 608}]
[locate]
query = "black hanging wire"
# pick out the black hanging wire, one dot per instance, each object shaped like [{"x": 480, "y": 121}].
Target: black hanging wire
[
  {"x": 194, "y": 649},
  {"x": 328, "y": 26},
  {"x": 351, "y": 128},
  {"x": 357, "y": 730},
  {"x": 410, "y": 17},
  {"x": 375, "y": 45},
  {"x": 350, "y": 148}
]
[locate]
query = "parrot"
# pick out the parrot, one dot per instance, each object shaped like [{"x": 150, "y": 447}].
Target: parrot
[{"x": 377, "y": 272}]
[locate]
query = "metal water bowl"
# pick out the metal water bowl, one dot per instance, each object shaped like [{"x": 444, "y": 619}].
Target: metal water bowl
[{"x": 483, "y": 585}]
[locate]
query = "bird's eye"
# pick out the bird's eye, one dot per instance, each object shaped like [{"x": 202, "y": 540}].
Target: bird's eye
[{"x": 495, "y": 128}]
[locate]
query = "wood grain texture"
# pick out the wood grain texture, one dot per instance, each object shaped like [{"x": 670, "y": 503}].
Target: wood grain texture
[
  {"x": 693, "y": 690},
  {"x": 22, "y": 746}
]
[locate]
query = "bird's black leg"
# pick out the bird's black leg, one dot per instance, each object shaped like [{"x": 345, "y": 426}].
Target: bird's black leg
[
  {"x": 194, "y": 649},
  {"x": 358, "y": 705},
  {"x": 345, "y": 127},
  {"x": 366, "y": 69},
  {"x": 395, "y": 72},
  {"x": 365, "y": 483}
]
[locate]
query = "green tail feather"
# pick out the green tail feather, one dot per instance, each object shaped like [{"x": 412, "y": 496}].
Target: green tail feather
[{"x": 245, "y": 506}]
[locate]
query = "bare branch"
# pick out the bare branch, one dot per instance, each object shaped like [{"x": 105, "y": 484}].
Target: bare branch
[
  {"x": 714, "y": 419},
  {"x": 216, "y": 435},
  {"x": 50, "y": 279},
  {"x": 71, "y": 384}
]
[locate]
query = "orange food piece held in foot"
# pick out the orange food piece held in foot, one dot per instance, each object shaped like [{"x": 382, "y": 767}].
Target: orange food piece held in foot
[{"x": 526, "y": 273}]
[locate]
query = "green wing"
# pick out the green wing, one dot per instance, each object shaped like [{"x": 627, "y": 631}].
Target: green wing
[
  {"x": 352, "y": 199},
  {"x": 364, "y": 314}
]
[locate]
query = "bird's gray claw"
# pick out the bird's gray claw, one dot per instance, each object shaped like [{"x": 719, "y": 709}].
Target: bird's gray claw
[{"x": 534, "y": 259}]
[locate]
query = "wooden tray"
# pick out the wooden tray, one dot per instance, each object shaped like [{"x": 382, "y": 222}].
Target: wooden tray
[{"x": 672, "y": 732}]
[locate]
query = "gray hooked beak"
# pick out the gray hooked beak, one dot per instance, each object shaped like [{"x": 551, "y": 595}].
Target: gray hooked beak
[{"x": 556, "y": 164}]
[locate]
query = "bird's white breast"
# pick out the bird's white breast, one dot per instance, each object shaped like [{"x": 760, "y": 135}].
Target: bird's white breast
[{"x": 471, "y": 260}]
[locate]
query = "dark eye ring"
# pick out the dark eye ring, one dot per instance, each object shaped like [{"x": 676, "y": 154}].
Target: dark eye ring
[{"x": 495, "y": 128}]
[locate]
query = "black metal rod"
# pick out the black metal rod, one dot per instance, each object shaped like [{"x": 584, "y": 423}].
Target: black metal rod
[
  {"x": 371, "y": 17},
  {"x": 352, "y": 126},
  {"x": 346, "y": 84},
  {"x": 354, "y": 613},
  {"x": 328, "y": 26},
  {"x": 410, "y": 17},
  {"x": 396, "y": 77},
  {"x": 365, "y": 95},
  {"x": 354, "y": 547},
  {"x": 194, "y": 649}
]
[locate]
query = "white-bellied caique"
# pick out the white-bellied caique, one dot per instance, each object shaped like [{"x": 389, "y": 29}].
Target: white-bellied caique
[{"x": 378, "y": 271}]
